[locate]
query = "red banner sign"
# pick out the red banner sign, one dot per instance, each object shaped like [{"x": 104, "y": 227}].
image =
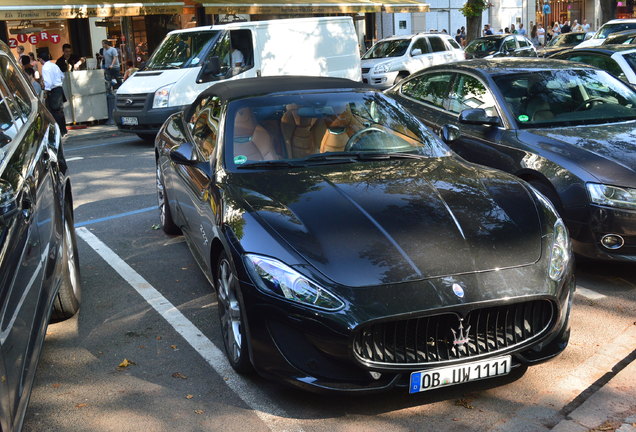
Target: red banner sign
[{"x": 35, "y": 39}]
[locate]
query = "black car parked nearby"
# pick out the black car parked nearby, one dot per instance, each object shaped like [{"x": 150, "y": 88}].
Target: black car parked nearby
[
  {"x": 350, "y": 249},
  {"x": 619, "y": 60},
  {"x": 500, "y": 46},
  {"x": 39, "y": 268},
  {"x": 562, "y": 42},
  {"x": 570, "y": 131}
]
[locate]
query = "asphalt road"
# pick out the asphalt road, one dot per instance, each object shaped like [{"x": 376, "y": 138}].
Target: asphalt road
[{"x": 176, "y": 379}]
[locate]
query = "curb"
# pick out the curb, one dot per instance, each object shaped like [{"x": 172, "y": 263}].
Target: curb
[{"x": 611, "y": 408}]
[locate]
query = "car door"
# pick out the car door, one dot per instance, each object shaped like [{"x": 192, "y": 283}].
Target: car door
[
  {"x": 526, "y": 49},
  {"x": 476, "y": 143},
  {"x": 509, "y": 47},
  {"x": 23, "y": 257},
  {"x": 425, "y": 96},
  {"x": 422, "y": 59},
  {"x": 195, "y": 198}
]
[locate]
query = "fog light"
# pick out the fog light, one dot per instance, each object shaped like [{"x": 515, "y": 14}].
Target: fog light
[
  {"x": 612, "y": 241},
  {"x": 375, "y": 375}
]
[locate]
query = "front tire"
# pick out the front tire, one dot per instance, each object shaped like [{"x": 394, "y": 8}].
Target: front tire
[
  {"x": 67, "y": 300},
  {"x": 165, "y": 215},
  {"x": 231, "y": 316}
]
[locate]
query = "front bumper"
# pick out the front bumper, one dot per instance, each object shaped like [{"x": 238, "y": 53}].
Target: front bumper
[
  {"x": 313, "y": 350},
  {"x": 380, "y": 80},
  {"x": 587, "y": 235},
  {"x": 149, "y": 120}
]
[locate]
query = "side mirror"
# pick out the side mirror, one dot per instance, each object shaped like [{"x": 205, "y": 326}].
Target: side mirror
[
  {"x": 183, "y": 155},
  {"x": 416, "y": 52},
  {"x": 210, "y": 70},
  {"x": 449, "y": 133},
  {"x": 478, "y": 116}
]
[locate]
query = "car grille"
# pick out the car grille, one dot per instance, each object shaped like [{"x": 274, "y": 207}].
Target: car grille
[
  {"x": 429, "y": 340},
  {"x": 365, "y": 70},
  {"x": 131, "y": 101}
]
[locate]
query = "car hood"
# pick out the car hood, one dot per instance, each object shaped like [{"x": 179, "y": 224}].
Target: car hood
[
  {"x": 386, "y": 222},
  {"x": 608, "y": 152},
  {"x": 151, "y": 80}
]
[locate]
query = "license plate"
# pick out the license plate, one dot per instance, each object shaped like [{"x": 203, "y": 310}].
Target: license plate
[
  {"x": 129, "y": 121},
  {"x": 451, "y": 375}
]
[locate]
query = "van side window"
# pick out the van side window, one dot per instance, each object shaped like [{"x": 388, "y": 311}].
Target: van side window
[
  {"x": 432, "y": 88},
  {"x": 235, "y": 52},
  {"x": 437, "y": 44}
]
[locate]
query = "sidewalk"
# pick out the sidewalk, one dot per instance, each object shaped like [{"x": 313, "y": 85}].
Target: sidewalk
[
  {"x": 94, "y": 132},
  {"x": 611, "y": 408}
]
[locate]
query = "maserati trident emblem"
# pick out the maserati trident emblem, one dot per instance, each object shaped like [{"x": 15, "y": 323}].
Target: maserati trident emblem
[
  {"x": 129, "y": 101},
  {"x": 458, "y": 290},
  {"x": 462, "y": 338}
]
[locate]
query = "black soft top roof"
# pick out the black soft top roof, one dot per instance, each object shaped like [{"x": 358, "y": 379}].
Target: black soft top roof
[{"x": 240, "y": 88}]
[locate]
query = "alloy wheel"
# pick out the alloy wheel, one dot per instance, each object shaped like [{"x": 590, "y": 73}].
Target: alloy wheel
[{"x": 230, "y": 310}]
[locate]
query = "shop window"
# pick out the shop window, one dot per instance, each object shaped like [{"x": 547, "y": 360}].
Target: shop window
[{"x": 402, "y": 25}]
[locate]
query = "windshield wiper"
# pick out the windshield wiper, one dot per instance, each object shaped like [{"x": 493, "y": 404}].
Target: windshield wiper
[{"x": 268, "y": 164}]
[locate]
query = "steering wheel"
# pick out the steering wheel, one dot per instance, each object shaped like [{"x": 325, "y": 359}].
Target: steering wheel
[
  {"x": 356, "y": 137},
  {"x": 590, "y": 101}
]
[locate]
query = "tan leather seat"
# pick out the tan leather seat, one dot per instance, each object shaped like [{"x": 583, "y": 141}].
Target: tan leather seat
[
  {"x": 339, "y": 130},
  {"x": 302, "y": 135},
  {"x": 251, "y": 139}
]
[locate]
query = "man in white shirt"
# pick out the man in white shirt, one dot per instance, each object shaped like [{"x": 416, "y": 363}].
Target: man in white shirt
[
  {"x": 585, "y": 26},
  {"x": 541, "y": 34},
  {"x": 52, "y": 76}
]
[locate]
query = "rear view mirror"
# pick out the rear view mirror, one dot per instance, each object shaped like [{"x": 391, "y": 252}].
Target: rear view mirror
[
  {"x": 416, "y": 52},
  {"x": 183, "y": 155},
  {"x": 210, "y": 70},
  {"x": 478, "y": 116}
]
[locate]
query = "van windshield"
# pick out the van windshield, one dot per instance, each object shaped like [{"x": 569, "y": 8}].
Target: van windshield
[{"x": 181, "y": 50}]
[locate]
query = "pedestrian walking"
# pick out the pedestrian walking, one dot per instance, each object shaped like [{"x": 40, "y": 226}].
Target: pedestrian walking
[
  {"x": 533, "y": 36},
  {"x": 586, "y": 26},
  {"x": 556, "y": 28},
  {"x": 111, "y": 64},
  {"x": 34, "y": 82},
  {"x": 522, "y": 31},
  {"x": 513, "y": 30},
  {"x": 576, "y": 26},
  {"x": 541, "y": 34},
  {"x": 19, "y": 52},
  {"x": 53, "y": 78}
]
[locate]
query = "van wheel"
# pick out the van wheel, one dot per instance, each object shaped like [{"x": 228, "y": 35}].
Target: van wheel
[
  {"x": 148, "y": 137},
  {"x": 67, "y": 300}
]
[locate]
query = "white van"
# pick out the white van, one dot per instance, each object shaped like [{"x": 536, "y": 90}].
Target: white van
[
  {"x": 189, "y": 61},
  {"x": 393, "y": 59}
]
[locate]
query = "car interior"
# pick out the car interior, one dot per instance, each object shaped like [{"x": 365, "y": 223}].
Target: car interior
[{"x": 294, "y": 131}]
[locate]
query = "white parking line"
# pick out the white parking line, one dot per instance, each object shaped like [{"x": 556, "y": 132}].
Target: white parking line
[
  {"x": 273, "y": 416},
  {"x": 74, "y": 159},
  {"x": 589, "y": 294}
]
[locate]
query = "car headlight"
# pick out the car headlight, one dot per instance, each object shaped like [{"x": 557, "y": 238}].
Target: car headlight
[
  {"x": 161, "y": 97},
  {"x": 383, "y": 68},
  {"x": 560, "y": 254},
  {"x": 272, "y": 276},
  {"x": 612, "y": 196}
]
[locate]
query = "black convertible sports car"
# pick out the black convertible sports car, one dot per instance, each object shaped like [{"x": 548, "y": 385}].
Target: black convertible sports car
[
  {"x": 567, "y": 129},
  {"x": 350, "y": 249}
]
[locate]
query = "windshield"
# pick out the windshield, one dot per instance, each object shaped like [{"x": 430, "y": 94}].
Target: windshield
[
  {"x": 301, "y": 129},
  {"x": 566, "y": 98},
  {"x": 483, "y": 46},
  {"x": 391, "y": 48},
  {"x": 180, "y": 50},
  {"x": 608, "y": 29},
  {"x": 567, "y": 39}
]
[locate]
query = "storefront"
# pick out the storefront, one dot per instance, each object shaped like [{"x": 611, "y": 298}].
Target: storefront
[{"x": 363, "y": 12}]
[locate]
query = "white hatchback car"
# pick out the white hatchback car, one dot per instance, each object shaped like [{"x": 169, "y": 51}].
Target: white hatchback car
[{"x": 392, "y": 59}]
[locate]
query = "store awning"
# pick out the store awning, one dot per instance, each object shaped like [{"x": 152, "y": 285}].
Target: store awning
[
  {"x": 284, "y": 7},
  {"x": 55, "y": 9}
]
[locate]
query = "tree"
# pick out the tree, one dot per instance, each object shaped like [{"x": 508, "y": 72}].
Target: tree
[
  {"x": 608, "y": 10},
  {"x": 472, "y": 10}
]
